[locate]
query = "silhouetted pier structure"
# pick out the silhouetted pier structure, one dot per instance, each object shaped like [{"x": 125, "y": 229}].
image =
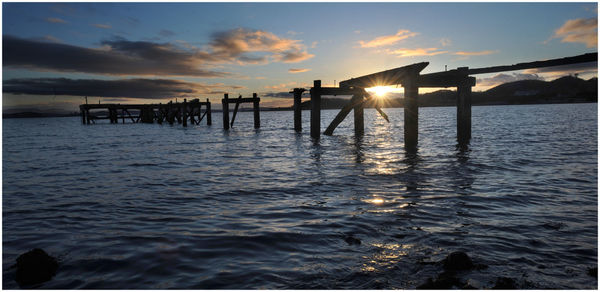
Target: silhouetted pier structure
[
  {"x": 171, "y": 112},
  {"x": 255, "y": 100},
  {"x": 411, "y": 79}
]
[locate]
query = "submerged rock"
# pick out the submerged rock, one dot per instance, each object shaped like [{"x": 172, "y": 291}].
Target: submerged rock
[
  {"x": 34, "y": 267},
  {"x": 443, "y": 281},
  {"x": 593, "y": 272},
  {"x": 504, "y": 283},
  {"x": 458, "y": 260},
  {"x": 351, "y": 240}
]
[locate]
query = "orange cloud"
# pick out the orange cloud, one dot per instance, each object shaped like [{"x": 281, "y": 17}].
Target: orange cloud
[
  {"x": 298, "y": 70},
  {"x": 387, "y": 40},
  {"x": 480, "y": 53},
  {"x": 580, "y": 30},
  {"x": 416, "y": 52}
]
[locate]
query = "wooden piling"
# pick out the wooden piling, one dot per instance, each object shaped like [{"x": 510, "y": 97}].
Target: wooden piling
[
  {"x": 256, "y": 107},
  {"x": 411, "y": 114},
  {"x": 87, "y": 116},
  {"x": 225, "y": 103},
  {"x": 359, "y": 115},
  {"x": 298, "y": 109},
  {"x": 463, "y": 107},
  {"x": 82, "y": 113},
  {"x": 184, "y": 112},
  {"x": 208, "y": 114},
  {"x": 315, "y": 112}
]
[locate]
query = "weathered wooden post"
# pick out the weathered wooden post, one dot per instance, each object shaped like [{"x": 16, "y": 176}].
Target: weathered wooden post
[
  {"x": 82, "y": 113},
  {"x": 256, "y": 102},
  {"x": 87, "y": 115},
  {"x": 208, "y": 115},
  {"x": 359, "y": 115},
  {"x": 298, "y": 109},
  {"x": 225, "y": 103},
  {"x": 411, "y": 113},
  {"x": 315, "y": 112},
  {"x": 463, "y": 106},
  {"x": 184, "y": 112},
  {"x": 170, "y": 113}
]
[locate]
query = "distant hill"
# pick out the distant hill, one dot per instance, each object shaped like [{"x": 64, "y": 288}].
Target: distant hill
[{"x": 566, "y": 89}]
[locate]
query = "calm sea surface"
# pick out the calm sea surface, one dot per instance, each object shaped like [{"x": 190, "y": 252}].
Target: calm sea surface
[{"x": 159, "y": 206}]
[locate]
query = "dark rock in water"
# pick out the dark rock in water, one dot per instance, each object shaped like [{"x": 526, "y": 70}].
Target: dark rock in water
[
  {"x": 504, "y": 283},
  {"x": 457, "y": 260},
  {"x": 351, "y": 240},
  {"x": 444, "y": 281},
  {"x": 34, "y": 267},
  {"x": 593, "y": 272}
]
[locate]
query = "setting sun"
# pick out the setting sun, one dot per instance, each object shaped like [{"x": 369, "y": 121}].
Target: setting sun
[{"x": 380, "y": 91}]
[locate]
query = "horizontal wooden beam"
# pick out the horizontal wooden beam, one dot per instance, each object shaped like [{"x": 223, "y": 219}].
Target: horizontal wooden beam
[
  {"x": 139, "y": 106},
  {"x": 338, "y": 91},
  {"x": 444, "y": 79},
  {"x": 590, "y": 57},
  {"x": 383, "y": 78},
  {"x": 241, "y": 100}
]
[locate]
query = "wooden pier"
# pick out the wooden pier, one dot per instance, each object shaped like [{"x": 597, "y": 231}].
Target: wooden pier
[
  {"x": 180, "y": 112},
  {"x": 255, "y": 100},
  {"x": 411, "y": 79}
]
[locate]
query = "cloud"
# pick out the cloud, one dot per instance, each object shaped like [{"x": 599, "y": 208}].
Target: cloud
[
  {"x": 51, "y": 39},
  {"x": 387, "y": 40},
  {"x": 416, "y": 52},
  {"x": 280, "y": 94},
  {"x": 166, "y": 33},
  {"x": 298, "y": 70},
  {"x": 480, "y": 53},
  {"x": 504, "y": 78},
  {"x": 100, "y": 25},
  {"x": 445, "y": 42},
  {"x": 580, "y": 30},
  {"x": 55, "y": 20},
  {"x": 117, "y": 57},
  {"x": 238, "y": 45},
  {"x": 130, "y": 88}
]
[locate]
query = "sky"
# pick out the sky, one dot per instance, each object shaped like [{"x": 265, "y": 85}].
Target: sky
[{"x": 55, "y": 54}]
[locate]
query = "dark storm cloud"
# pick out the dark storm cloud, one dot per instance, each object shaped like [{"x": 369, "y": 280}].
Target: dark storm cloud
[
  {"x": 282, "y": 94},
  {"x": 132, "y": 88},
  {"x": 118, "y": 57}
]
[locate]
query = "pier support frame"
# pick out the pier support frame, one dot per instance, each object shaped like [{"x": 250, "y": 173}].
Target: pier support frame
[
  {"x": 315, "y": 111},
  {"x": 411, "y": 114},
  {"x": 225, "y": 103},
  {"x": 256, "y": 109},
  {"x": 359, "y": 114},
  {"x": 463, "y": 107},
  {"x": 298, "y": 109},
  {"x": 208, "y": 114}
]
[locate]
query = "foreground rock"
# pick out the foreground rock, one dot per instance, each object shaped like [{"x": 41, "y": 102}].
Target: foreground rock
[
  {"x": 35, "y": 267},
  {"x": 457, "y": 261},
  {"x": 503, "y": 283}
]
